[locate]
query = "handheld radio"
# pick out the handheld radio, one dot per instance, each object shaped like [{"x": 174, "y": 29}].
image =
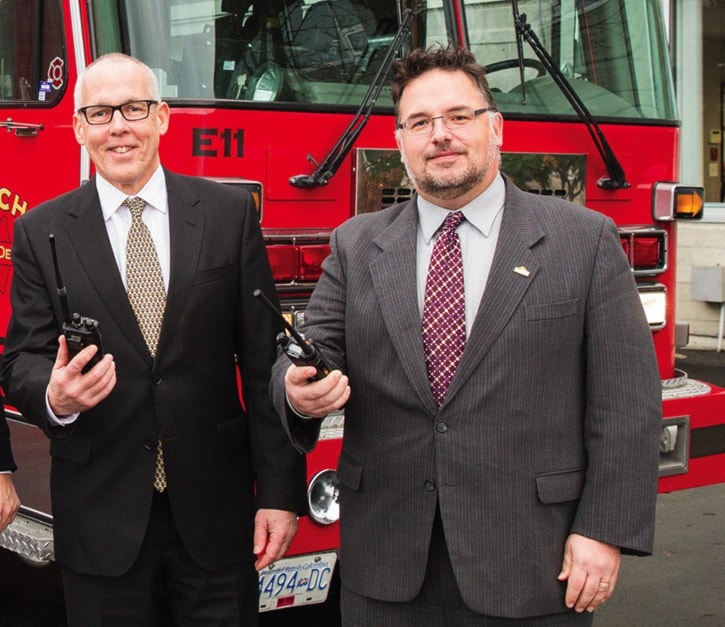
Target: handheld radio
[
  {"x": 78, "y": 330},
  {"x": 300, "y": 350}
]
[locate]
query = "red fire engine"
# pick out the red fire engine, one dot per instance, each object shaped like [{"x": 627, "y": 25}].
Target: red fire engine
[{"x": 290, "y": 100}]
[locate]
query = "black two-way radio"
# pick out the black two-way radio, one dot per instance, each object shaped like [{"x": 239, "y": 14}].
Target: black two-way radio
[
  {"x": 78, "y": 330},
  {"x": 301, "y": 350}
]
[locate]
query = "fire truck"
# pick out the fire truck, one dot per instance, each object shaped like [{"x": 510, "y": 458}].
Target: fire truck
[{"x": 290, "y": 100}]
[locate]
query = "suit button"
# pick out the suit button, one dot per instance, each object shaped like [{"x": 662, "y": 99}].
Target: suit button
[
  {"x": 155, "y": 379},
  {"x": 430, "y": 485},
  {"x": 441, "y": 426},
  {"x": 149, "y": 445}
]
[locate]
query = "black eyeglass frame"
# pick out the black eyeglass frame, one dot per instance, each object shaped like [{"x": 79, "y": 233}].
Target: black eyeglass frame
[
  {"x": 476, "y": 113},
  {"x": 119, "y": 108}
]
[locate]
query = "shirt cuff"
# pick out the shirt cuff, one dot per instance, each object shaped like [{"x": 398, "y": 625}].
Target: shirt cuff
[
  {"x": 294, "y": 411},
  {"x": 59, "y": 421}
]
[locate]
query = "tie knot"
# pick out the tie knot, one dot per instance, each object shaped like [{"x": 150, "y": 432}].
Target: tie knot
[
  {"x": 452, "y": 221},
  {"x": 136, "y": 206}
]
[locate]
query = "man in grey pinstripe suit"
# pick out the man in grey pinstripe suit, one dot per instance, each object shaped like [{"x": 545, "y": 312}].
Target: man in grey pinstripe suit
[{"x": 512, "y": 500}]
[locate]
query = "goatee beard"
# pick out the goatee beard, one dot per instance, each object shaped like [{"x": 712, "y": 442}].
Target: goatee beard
[{"x": 450, "y": 189}]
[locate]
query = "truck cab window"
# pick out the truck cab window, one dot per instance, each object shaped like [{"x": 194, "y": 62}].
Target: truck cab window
[
  {"x": 318, "y": 52},
  {"x": 32, "y": 57}
]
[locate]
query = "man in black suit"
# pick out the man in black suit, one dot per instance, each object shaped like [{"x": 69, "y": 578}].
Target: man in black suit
[
  {"x": 164, "y": 485},
  {"x": 9, "y": 502}
]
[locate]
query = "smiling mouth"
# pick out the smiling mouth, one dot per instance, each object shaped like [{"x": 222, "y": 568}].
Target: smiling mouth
[
  {"x": 444, "y": 158},
  {"x": 120, "y": 150},
  {"x": 445, "y": 154}
]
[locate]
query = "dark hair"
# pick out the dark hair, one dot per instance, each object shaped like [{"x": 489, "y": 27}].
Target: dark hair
[{"x": 450, "y": 59}]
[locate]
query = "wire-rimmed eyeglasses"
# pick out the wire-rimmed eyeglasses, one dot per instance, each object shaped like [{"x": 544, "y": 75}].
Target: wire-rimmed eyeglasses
[
  {"x": 453, "y": 120},
  {"x": 131, "y": 111}
]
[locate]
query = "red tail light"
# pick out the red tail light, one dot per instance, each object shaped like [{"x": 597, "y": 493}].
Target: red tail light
[
  {"x": 284, "y": 261},
  {"x": 646, "y": 250},
  {"x": 297, "y": 262},
  {"x": 647, "y": 253},
  {"x": 311, "y": 258}
]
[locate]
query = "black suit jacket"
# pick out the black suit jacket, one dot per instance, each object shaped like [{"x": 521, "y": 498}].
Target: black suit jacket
[
  {"x": 217, "y": 451},
  {"x": 6, "y": 454}
]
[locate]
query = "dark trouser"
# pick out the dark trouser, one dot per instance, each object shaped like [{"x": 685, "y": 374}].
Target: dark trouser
[
  {"x": 163, "y": 587},
  {"x": 439, "y": 602}
]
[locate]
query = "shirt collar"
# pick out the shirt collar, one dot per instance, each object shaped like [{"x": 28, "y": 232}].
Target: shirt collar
[
  {"x": 480, "y": 212},
  {"x": 154, "y": 193}
]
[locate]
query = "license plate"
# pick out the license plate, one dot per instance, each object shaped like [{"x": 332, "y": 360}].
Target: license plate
[{"x": 296, "y": 581}]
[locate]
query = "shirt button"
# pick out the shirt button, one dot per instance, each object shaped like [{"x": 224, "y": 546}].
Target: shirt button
[
  {"x": 441, "y": 426},
  {"x": 430, "y": 485}
]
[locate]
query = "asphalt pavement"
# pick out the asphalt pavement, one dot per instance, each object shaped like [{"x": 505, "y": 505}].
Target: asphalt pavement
[{"x": 683, "y": 583}]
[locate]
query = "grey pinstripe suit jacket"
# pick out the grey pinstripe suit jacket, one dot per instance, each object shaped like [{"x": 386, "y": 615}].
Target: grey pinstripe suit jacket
[{"x": 550, "y": 425}]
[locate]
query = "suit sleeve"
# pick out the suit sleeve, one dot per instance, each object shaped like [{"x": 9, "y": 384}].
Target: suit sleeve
[
  {"x": 324, "y": 323},
  {"x": 7, "y": 463},
  {"x": 32, "y": 338},
  {"x": 280, "y": 471},
  {"x": 623, "y": 408}
]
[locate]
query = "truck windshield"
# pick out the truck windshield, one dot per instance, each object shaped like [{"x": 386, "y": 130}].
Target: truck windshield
[{"x": 325, "y": 53}]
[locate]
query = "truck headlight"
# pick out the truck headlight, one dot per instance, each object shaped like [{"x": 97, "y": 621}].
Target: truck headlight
[{"x": 323, "y": 497}]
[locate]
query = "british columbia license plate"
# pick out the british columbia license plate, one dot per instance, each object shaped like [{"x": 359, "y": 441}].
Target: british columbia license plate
[{"x": 296, "y": 581}]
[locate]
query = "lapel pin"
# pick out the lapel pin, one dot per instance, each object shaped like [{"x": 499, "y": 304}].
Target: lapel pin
[{"x": 522, "y": 270}]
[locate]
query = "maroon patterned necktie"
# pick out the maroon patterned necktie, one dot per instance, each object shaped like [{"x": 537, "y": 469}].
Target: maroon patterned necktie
[{"x": 444, "y": 309}]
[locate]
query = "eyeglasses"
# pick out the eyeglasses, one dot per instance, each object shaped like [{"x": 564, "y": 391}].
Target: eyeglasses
[
  {"x": 131, "y": 111},
  {"x": 454, "y": 120}
]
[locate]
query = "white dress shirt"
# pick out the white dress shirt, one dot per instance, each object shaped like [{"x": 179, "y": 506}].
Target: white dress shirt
[
  {"x": 117, "y": 218},
  {"x": 478, "y": 235},
  {"x": 156, "y": 217}
]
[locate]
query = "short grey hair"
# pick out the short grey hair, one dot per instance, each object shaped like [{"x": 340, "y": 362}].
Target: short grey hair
[{"x": 117, "y": 58}]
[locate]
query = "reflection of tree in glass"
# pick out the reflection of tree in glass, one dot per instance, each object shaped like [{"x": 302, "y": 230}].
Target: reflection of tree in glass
[
  {"x": 562, "y": 173},
  {"x": 382, "y": 180}
]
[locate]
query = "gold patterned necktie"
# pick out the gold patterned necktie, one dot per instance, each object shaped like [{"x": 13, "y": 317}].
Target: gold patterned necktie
[{"x": 147, "y": 294}]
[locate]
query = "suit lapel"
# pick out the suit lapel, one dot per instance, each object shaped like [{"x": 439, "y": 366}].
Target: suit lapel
[
  {"x": 394, "y": 279},
  {"x": 87, "y": 232},
  {"x": 513, "y": 269},
  {"x": 185, "y": 233}
]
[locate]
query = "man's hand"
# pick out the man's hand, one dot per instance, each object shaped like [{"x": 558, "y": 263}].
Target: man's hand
[
  {"x": 9, "y": 502},
  {"x": 591, "y": 568},
  {"x": 315, "y": 398},
  {"x": 70, "y": 391},
  {"x": 273, "y": 533}
]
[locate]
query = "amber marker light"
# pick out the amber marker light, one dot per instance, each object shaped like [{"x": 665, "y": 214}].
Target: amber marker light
[{"x": 671, "y": 201}]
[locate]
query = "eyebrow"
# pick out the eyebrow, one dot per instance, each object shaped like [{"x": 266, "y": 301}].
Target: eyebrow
[
  {"x": 125, "y": 102},
  {"x": 450, "y": 110}
]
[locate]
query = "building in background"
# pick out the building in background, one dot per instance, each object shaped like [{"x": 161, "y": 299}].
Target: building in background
[{"x": 697, "y": 33}]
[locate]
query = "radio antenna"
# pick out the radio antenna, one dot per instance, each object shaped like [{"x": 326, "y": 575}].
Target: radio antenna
[
  {"x": 304, "y": 346},
  {"x": 60, "y": 289}
]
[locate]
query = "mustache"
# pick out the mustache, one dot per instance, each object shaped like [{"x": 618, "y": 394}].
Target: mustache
[{"x": 442, "y": 149}]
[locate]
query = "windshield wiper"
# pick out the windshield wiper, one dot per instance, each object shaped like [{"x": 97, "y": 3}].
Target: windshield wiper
[
  {"x": 332, "y": 162},
  {"x": 519, "y": 53},
  {"x": 617, "y": 178}
]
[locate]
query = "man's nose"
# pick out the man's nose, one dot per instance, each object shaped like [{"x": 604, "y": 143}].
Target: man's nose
[
  {"x": 117, "y": 119},
  {"x": 439, "y": 128}
]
